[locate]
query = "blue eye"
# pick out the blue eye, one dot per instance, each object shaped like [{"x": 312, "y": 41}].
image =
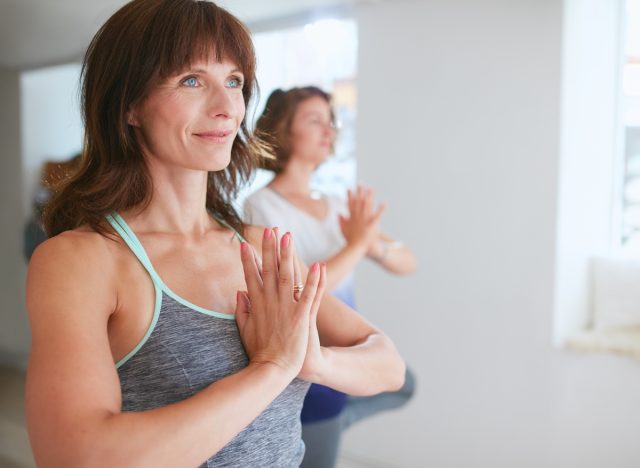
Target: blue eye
[
  {"x": 191, "y": 82},
  {"x": 234, "y": 83}
]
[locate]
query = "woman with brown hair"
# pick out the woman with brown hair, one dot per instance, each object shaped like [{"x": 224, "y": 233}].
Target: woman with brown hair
[
  {"x": 299, "y": 124},
  {"x": 153, "y": 344}
]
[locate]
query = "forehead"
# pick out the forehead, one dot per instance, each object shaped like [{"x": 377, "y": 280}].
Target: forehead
[
  {"x": 211, "y": 64},
  {"x": 315, "y": 105}
]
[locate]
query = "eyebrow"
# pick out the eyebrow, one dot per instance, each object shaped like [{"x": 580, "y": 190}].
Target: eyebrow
[
  {"x": 202, "y": 71},
  {"x": 313, "y": 112}
]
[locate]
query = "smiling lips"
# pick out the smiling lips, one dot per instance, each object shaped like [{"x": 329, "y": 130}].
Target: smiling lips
[{"x": 215, "y": 136}]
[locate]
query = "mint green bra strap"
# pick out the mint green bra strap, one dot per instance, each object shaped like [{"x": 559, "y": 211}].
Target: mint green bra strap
[
  {"x": 134, "y": 244},
  {"x": 228, "y": 226},
  {"x": 123, "y": 229}
]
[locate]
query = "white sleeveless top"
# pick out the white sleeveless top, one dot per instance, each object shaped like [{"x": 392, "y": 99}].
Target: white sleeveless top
[{"x": 315, "y": 239}]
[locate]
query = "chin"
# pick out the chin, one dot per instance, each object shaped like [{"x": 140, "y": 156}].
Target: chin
[
  {"x": 323, "y": 158},
  {"x": 219, "y": 166},
  {"x": 218, "y": 161}
]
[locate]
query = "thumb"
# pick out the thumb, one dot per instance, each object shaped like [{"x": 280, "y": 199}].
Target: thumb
[
  {"x": 343, "y": 220},
  {"x": 242, "y": 308},
  {"x": 380, "y": 212},
  {"x": 315, "y": 306}
]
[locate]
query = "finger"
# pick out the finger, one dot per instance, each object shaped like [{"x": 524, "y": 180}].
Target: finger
[
  {"x": 378, "y": 214},
  {"x": 251, "y": 272},
  {"x": 269, "y": 263},
  {"x": 258, "y": 261},
  {"x": 310, "y": 287},
  {"x": 297, "y": 273},
  {"x": 277, "y": 239},
  {"x": 343, "y": 223},
  {"x": 322, "y": 281},
  {"x": 242, "y": 309},
  {"x": 285, "y": 279},
  {"x": 361, "y": 204},
  {"x": 350, "y": 201},
  {"x": 368, "y": 201},
  {"x": 356, "y": 200}
]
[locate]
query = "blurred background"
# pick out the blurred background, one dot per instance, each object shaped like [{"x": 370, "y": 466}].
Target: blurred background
[{"x": 505, "y": 137}]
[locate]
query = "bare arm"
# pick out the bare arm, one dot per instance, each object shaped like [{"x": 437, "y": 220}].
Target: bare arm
[
  {"x": 354, "y": 357},
  {"x": 364, "y": 239},
  {"x": 343, "y": 263},
  {"x": 73, "y": 394},
  {"x": 392, "y": 255}
]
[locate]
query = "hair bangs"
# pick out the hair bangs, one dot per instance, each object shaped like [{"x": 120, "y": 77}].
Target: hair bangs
[
  {"x": 143, "y": 43},
  {"x": 202, "y": 31}
]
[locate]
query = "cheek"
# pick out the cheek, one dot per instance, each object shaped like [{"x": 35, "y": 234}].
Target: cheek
[
  {"x": 240, "y": 109},
  {"x": 161, "y": 117},
  {"x": 298, "y": 141}
]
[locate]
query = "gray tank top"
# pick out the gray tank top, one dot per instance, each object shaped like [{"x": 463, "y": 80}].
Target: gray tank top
[{"x": 185, "y": 349}]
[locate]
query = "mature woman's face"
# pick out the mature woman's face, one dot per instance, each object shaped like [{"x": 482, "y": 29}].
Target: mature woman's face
[
  {"x": 191, "y": 119},
  {"x": 312, "y": 133}
]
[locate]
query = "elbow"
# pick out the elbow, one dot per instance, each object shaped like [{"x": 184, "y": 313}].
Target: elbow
[
  {"x": 396, "y": 370},
  {"x": 407, "y": 266},
  {"x": 398, "y": 377},
  {"x": 411, "y": 265},
  {"x": 67, "y": 456},
  {"x": 60, "y": 456},
  {"x": 77, "y": 446},
  {"x": 411, "y": 268}
]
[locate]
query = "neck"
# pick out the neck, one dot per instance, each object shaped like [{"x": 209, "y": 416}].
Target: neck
[
  {"x": 295, "y": 179},
  {"x": 178, "y": 203}
]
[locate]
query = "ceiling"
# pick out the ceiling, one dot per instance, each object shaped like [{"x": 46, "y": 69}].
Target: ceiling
[{"x": 36, "y": 33}]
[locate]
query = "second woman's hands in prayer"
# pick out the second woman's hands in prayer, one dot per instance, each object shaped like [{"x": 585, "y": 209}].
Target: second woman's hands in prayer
[
  {"x": 277, "y": 325},
  {"x": 362, "y": 227}
]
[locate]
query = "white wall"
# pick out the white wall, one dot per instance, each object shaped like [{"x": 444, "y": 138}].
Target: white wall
[
  {"x": 459, "y": 122},
  {"x": 14, "y": 334},
  {"x": 51, "y": 123},
  {"x": 39, "y": 121}
]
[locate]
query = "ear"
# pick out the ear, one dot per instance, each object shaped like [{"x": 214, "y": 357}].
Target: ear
[{"x": 132, "y": 118}]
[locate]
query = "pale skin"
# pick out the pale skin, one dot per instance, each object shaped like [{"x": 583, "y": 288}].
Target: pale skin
[
  {"x": 85, "y": 314},
  {"x": 311, "y": 136}
]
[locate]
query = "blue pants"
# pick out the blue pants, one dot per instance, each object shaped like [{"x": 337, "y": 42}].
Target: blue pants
[{"x": 322, "y": 438}]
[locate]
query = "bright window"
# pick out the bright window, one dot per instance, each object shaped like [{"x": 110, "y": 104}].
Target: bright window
[
  {"x": 630, "y": 115},
  {"x": 324, "y": 54}
]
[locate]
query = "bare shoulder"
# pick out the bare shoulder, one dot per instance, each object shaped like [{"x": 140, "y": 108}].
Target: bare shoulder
[
  {"x": 70, "y": 245},
  {"x": 72, "y": 252},
  {"x": 71, "y": 295},
  {"x": 67, "y": 266}
]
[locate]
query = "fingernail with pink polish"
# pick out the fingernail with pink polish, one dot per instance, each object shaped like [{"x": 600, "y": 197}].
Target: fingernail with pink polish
[{"x": 286, "y": 240}]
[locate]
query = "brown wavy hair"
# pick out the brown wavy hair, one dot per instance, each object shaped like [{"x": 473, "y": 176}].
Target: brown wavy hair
[
  {"x": 274, "y": 125},
  {"x": 142, "y": 44}
]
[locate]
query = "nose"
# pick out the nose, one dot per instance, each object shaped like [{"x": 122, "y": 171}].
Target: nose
[
  {"x": 223, "y": 103},
  {"x": 330, "y": 130}
]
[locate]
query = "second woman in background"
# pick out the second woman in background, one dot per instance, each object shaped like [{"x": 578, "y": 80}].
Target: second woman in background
[{"x": 299, "y": 125}]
